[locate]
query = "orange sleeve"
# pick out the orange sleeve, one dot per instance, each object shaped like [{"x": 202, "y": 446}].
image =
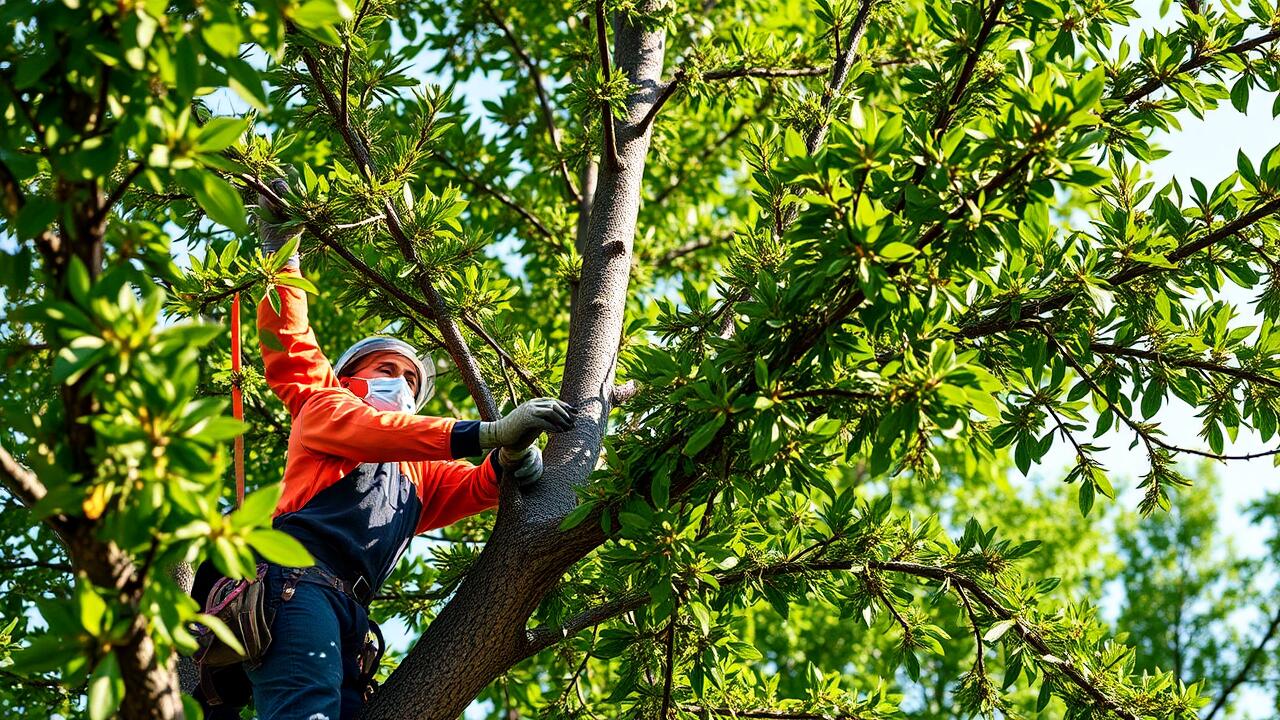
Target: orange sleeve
[
  {"x": 333, "y": 421},
  {"x": 295, "y": 366},
  {"x": 453, "y": 490}
]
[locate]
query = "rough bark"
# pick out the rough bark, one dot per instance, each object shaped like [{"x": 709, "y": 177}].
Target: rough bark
[{"x": 481, "y": 632}]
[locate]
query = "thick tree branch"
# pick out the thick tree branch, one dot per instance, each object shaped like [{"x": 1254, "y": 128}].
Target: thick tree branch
[
  {"x": 453, "y": 340},
  {"x": 535, "y": 75}
]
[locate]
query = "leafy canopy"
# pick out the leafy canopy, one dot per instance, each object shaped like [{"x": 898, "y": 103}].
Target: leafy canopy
[{"x": 882, "y": 248}]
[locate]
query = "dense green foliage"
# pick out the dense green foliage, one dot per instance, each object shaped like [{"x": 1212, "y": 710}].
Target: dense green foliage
[{"x": 853, "y": 313}]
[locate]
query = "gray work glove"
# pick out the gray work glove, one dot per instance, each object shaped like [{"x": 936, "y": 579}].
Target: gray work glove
[
  {"x": 524, "y": 465},
  {"x": 273, "y": 231},
  {"x": 523, "y": 425}
]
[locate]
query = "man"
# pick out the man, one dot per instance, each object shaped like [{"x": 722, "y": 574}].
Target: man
[{"x": 364, "y": 474}]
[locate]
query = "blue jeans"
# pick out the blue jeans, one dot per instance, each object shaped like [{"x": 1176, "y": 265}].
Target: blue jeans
[{"x": 309, "y": 672}]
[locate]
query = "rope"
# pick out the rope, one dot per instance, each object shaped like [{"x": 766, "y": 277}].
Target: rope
[{"x": 237, "y": 396}]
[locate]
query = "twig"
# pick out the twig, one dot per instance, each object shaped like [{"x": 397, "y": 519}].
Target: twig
[
  {"x": 1135, "y": 426},
  {"x": 543, "y": 102},
  {"x": 498, "y": 195},
  {"x": 361, "y": 223},
  {"x": 117, "y": 193},
  {"x": 1194, "y": 63},
  {"x": 1166, "y": 359},
  {"x": 606, "y": 113}
]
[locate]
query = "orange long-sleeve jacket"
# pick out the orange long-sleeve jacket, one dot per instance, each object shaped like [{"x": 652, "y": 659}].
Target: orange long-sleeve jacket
[{"x": 360, "y": 482}]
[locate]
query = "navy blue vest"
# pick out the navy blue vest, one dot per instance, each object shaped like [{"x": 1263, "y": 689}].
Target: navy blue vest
[{"x": 360, "y": 525}]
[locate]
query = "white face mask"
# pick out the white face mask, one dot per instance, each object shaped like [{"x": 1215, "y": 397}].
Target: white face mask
[{"x": 391, "y": 393}]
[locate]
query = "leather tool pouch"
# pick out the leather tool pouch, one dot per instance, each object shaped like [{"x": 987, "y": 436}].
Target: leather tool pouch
[{"x": 242, "y": 606}]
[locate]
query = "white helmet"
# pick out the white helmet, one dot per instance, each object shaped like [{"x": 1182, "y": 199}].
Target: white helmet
[{"x": 380, "y": 343}]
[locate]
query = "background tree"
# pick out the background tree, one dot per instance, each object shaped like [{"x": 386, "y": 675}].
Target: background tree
[{"x": 811, "y": 272}]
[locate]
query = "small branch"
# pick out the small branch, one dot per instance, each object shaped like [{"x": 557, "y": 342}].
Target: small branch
[
  {"x": 1138, "y": 428},
  {"x": 732, "y": 132},
  {"x": 732, "y": 73},
  {"x": 606, "y": 113},
  {"x": 1166, "y": 359},
  {"x": 1240, "y": 677},
  {"x": 623, "y": 392},
  {"x": 689, "y": 248},
  {"x": 1195, "y": 62},
  {"x": 361, "y": 223},
  {"x": 999, "y": 321},
  {"x": 457, "y": 347},
  {"x": 980, "y": 663},
  {"x": 766, "y": 714},
  {"x": 543, "y": 102},
  {"x": 118, "y": 193},
  {"x": 23, "y": 108},
  {"x": 830, "y": 392},
  {"x": 943, "y": 120},
  {"x": 12, "y": 199},
  {"x": 28, "y": 564},
  {"x": 669, "y": 678},
  {"x": 498, "y": 195}
]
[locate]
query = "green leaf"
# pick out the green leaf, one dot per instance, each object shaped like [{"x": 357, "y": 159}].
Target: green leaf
[
  {"x": 705, "y": 433},
  {"x": 220, "y": 133},
  {"x": 247, "y": 83},
  {"x": 106, "y": 688},
  {"x": 896, "y": 251},
  {"x": 997, "y": 631},
  {"x": 576, "y": 516},
  {"x": 258, "y": 507},
  {"x": 223, "y": 38},
  {"x": 220, "y": 630},
  {"x": 279, "y": 548},
  {"x": 319, "y": 13},
  {"x": 299, "y": 282},
  {"x": 217, "y": 198}
]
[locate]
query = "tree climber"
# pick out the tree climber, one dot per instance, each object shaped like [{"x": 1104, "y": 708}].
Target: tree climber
[{"x": 364, "y": 474}]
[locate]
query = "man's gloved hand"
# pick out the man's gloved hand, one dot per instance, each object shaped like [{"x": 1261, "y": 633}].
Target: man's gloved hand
[
  {"x": 272, "y": 230},
  {"x": 524, "y": 465},
  {"x": 523, "y": 425}
]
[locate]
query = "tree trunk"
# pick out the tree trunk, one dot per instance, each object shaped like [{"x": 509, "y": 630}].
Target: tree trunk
[{"x": 481, "y": 632}]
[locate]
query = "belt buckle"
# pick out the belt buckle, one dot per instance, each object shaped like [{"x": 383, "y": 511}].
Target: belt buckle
[{"x": 360, "y": 589}]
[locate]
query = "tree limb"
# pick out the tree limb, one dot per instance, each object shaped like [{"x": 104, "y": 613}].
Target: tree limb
[
  {"x": 1195, "y": 62},
  {"x": 19, "y": 480},
  {"x": 456, "y": 345},
  {"x": 547, "y": 116},
  {"x": 1140, "y": 429},
  {"x": 1184, "y": 362}
]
